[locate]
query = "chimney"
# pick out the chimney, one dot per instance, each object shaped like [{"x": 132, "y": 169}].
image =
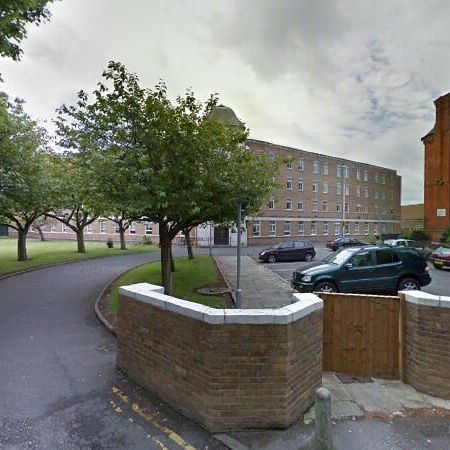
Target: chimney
[{"x": 442, "y": 114}]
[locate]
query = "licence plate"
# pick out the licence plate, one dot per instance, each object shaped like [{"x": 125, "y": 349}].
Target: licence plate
[{"x": 438, "y": 262}]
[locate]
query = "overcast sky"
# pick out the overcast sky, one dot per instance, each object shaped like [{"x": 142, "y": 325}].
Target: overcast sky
[{"x": 347, "y": 78}]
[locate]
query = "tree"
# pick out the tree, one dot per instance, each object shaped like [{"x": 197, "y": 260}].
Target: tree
[
  {"x": 180, "y": 167},
  {"x": 14, "y": 16},
  {"x": 26, "y": 197},
  {"x": 74, "y": 191}
]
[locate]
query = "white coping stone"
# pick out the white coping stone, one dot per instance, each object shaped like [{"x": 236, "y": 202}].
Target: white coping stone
[
  {"x": 422, "y": 298},
  {"x": 153, "y": 295},
  {"x": 444, "y": 301}
]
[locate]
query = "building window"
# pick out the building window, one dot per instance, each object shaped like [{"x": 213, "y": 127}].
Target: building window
[
  {"x": 64, "y": 228},
  {"x": 287, "y": 228},
  {"x": 346, "y": 207},
  {"x": 53, "y": 228},
  {"x": 358, "y": 191},
  {"x": 383, "y": 228},
  {"x": 383, "y": 179},
  {"x": 148, "y": 227},
  {"x": 392, "y": 195},
  {"x": 301, "y": 186},
  {"x": 347, "y": 189},
  {"x": 376, "y": 210},
  {"x": 116, "y": 228},
  {"x": 325, "y": 228},
  {"x": 255, "y": 229},
  {"x": 102, "y": 226},
  {"x": 132, "y": 228},
  {"x": 358, "y": 174},
  {"x": 366, "y": 192},
  {"x": 339, "y": 171},
  {"x": 301, "y": 164},
  {"x": 376, "y": 195},
  {"x": 376, "y": 177},
  {"x": 315, "y": 167},
  {"x": 271, "y": 203},
  {"x": 383, "y": 195},
  {"x": 366, "y": 229},
  {"x": 89, "y": 228},
  {"x": 289, "y": 183},
  {"x": 337, "y": 228},
  {"x": 272, "y": 228},
  {"x": 325, "y": 206},
  {"x": 356, "y": 228},
  {"x": 313, "y": 228},
  {"x": 301, "y": 228},
  {"x": 289, "y": 164},
  {"x": 315, "y": 205},
  {"x": 300, "y": 205},
  {"x": 338, "y": 207},
  {"x": 271, "y": 156},
  {"x": 366, "y": 175},
  {"x": 346, "y": 171},
  {"x": 288, "y": 204},
  {"x": 338, "y": 189},
  {"x": 325, "y": 169},
  {"x": 366, "y": 209},
  {"x": 315, "y": 187},
  {"x": 358, "y": 208},
  {"x": 325, "y": 187},
  {"x": 346, "y": 228},
  {"x": 375, "y": 229}
]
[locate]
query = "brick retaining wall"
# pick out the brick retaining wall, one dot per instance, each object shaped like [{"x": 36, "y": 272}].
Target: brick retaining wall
[
  {"x": 226, "y": 369},
  {"x": 427, "y": 343}
]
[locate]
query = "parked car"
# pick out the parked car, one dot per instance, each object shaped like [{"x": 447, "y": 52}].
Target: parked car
[
  {"x": 424, "y": 251},
  {"x": 440, "y": 257},
  {"x": 366, "y": 269},
  {"x": 288, "y": 251},
  {"x": 342, "y": 242}
]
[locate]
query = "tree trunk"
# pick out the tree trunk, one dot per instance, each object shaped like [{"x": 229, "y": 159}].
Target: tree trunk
[
  {"x": 41, "y": 234},
  {"x": 22, "y": 245},
  {"x": 80, "y": 242},
  {"x": 172, "y": 261},
  {"x": 166, "y": 274},
  {"x": 188, "y": 243},
  {"x": 123, "y": 244}
]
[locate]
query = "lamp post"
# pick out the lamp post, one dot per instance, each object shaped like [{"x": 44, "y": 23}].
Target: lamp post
[
  {"x": 210, "y": 237},
  {"x": 343, "y": 198},
  {"x": 240, "y": 206}
]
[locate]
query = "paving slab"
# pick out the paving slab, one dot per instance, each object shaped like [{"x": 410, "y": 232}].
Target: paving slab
[
  {"x": 407, "y": 396},
  {"x": 373, "y": 398}
]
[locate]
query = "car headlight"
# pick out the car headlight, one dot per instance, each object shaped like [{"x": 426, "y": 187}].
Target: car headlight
[
  {"x": 262, "y": 253},
  {"x": 306, "y": 278}
]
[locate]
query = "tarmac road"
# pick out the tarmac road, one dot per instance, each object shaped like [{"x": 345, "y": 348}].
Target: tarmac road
[{"x": 59, "y": 385}]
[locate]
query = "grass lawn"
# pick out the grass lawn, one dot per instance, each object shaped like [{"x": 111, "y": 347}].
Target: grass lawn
[
  {"x": 188, "y": 277},
  {"x": 50, "y": 252}
]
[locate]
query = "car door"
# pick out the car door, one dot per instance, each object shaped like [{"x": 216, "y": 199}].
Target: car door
[
  {"x": 300, "y": 250},
  {"x": 286, "y": 251},
  {"x": 387, "y": 269},
  {"x": 357, "y": 273}
]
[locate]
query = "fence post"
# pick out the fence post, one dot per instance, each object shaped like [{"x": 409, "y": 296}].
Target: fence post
[{"x": 322, "y": 439}]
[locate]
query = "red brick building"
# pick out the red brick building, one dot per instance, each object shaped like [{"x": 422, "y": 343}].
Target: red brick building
[{"x": 437, "y": 171}]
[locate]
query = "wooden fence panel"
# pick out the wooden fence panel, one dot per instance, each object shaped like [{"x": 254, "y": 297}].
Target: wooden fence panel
[{"x": 361, "y": 335}]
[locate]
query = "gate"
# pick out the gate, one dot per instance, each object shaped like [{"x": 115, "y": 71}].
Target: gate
[
  {"x": 221, "y": 236},
  {"x": 362, "y": 335}
]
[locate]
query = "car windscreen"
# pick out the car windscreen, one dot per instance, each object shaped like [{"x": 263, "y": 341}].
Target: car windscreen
[
  {"x": 340, "y": 257},
  {"x": 443, "y": 250}
]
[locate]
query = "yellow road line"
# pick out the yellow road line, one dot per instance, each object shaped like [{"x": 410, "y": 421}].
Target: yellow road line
[{"x": 150, "y": 418}]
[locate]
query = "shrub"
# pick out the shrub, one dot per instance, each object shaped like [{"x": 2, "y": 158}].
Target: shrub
[
  {"x": 415, "y": 234},
  {"x": 146, "y": 240},
  {"x": 371, "y": 239},
  {"x": 446, "y": 236},
  {"x": 110, "y": 243}
]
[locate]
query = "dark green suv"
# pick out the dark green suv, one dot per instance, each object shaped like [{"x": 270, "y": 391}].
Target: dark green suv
[{"x": 366, "y": 269}]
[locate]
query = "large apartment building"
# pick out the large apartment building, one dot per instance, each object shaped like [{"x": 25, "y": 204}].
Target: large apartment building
[
  {"x": 322, "y": 196},
  {"x": 319, "y": 197}
]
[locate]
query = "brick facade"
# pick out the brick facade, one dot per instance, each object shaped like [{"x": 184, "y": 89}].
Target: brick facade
[
  {"x": 315, "y": 189},
  {"x": 437, "y": 171},
  {"x": 412, "y": 217},
  {"x": 223, "y": 375}
]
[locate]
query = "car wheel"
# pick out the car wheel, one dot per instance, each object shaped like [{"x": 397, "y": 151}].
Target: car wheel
[
  {"x": 325, "y": 286},
  {"x": 309, "y": 257},
  {"x": 408, "y": 284},
  {"x": 272, "y": 259}
]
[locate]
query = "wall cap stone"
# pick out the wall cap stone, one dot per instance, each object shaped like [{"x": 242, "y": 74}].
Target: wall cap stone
[
  {"x": 425, "y": 299},
  {"x": 151, "y": 294}
]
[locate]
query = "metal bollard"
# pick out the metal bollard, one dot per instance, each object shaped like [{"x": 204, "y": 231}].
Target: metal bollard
[{"x": 322, "y": 439}]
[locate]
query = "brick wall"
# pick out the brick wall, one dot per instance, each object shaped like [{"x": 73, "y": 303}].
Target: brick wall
[
  {"x": 229, "y": 374},
  {"x": 427, "y": 343}
]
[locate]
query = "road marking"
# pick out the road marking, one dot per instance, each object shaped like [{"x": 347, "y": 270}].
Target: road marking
[{"x": 150, "y": 418}]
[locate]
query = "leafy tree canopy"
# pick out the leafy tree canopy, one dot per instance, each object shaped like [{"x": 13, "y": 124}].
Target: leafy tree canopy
[{"x": 14, "y": 16}]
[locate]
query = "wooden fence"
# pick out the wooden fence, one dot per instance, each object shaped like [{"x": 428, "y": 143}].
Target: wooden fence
[{"x": 362, "y": 335}]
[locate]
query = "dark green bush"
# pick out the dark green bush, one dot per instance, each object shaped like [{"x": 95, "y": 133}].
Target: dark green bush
[
  {"x": 110, "y": 243},
  {"x": 446, "y": 236}
]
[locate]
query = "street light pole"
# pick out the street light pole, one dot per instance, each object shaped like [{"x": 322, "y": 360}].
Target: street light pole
[
  {"x": 210, "y": 237},
  {"x": 238, "y": 255},
  {"x": 343, "y": 199}
]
